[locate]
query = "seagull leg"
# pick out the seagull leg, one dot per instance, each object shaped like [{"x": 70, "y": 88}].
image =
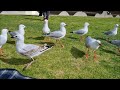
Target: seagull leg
[
  {"x": 28, "y": 64},
  {"x": 61, "y": 44},
  {"x": 81, "y": 38},
  {"x": 45, "y": 39},
  {"x": 119, "y": 50},
  {"x": 1, "y": 52},
  {"x": 95, "y": 56},
  {"x": 56, "y": 42},
  {"x": 48, "y": 39},
  {"x": 87, "y": 53}
]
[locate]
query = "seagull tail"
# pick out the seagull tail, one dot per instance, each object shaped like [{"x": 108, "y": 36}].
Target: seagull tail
[
  {"x": 72, "y": 32},
  {"x": 10, "y": 32}
]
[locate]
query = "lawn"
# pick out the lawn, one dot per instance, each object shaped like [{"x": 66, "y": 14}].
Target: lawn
[{"x": 68, "y": 62}]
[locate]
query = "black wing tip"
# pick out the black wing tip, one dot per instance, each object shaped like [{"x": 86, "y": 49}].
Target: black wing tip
[
  {"x": 71, "y": 32},
  {"x": 49, "y": 46}
]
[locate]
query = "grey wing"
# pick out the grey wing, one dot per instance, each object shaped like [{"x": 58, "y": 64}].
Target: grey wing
[
  {"x": 13, "y": 33},
  {"x": 80, "y": 32},
  {"x": 56, "y": 34},
  {"x": 116, "y": 42},
  {"x": 108, "y": 32},
  {"x": 30, "y": 47}
]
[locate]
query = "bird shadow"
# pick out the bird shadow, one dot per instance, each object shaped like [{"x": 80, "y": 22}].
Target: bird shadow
[
  {"x": 11, "y": 42},
  {"x": 14, "y": 61},
  {"x": 48, "y": 43},
  {"x": 37, "y": 38},
  {"x": 77, "y": 53},
  {"x": 101, "y": 38},
  {"x": 107, "y": 51},
  {"x": 72, "y": 38}
]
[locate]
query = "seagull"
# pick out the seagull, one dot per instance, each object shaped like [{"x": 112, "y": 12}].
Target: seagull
[
  {"x": 29, "y": 50},
  {"x": 3, "y": 39},
  {"x": 46, "y": 29},
  {"x": 93, "y": 44},
  {"x": 58, "y": 34},
  {"x": 117, "y": 43},
  {"x": 20, "y": 31},
  {"x": 112, "y": 32},
  {"x": 82, "y": 31}
]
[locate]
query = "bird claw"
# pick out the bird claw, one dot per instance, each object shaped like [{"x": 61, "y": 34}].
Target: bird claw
[{"x": 86, "y": 56}]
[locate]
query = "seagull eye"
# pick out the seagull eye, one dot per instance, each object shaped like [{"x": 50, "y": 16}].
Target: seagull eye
[{"x": 15, "y": 36}]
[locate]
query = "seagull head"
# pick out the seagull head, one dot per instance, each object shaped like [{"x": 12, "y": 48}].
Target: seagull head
[
  {"x": 116, "y": 25},
  {"x": 86, "y": 24},
  {"x": 18, "y": 37},
  {"x": 99, "y": 42},
  {"x": 21, "y": 26},
  {"x": 45, "y": 20},
  {"x": 4, "y": 31},
  {"x": 62, "y": 24}
]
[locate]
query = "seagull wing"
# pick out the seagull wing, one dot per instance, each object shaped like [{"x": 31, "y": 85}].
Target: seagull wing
[{"x": 56, "y": 34}]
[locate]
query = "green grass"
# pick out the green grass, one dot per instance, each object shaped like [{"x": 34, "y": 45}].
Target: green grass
[{"x": 68, "y": 62}]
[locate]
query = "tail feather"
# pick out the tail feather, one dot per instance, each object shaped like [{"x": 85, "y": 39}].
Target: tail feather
[{"x": 71, "y": 32}]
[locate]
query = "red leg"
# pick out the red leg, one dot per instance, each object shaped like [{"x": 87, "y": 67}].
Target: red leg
[
  {"x": 119, "y": 50},
  {"x": 87, "y": 55},
  {"x": 1, "y": 52},
  {"x": 61, "y": 44},
  {"x": 95, "y": 56},
  {"x": 81, "y": 38}
]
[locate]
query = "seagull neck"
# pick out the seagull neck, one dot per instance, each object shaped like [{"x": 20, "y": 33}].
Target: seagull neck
[
  {"x": 116, "y": 28},
  {"x": 21, "y": 30},
  {"x": 20, "y": 43},
  {"x": 85, "y": 27},
  {"x": 63, "y": 29},
  {"x": 46, "y": 24},
  {"x": 4, "y": 34}
]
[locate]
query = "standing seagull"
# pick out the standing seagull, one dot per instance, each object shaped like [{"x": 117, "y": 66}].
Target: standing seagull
[
  {"x": 93, "y": 44},
  {"x": 117, "y": 43},
  {"x": 29, "y": 50},
  {"x": 20, "y": 31},
  {"x": 46, "y": 29},
  {"x": 82, "y": 31},
  {"x": 3, "y": 39},
  {"x": 59, "y": 34},
  {"x": 112, "y": 32}
]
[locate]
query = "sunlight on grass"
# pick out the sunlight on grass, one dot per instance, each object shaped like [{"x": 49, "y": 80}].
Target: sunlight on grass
[{"x": 68, "y": 62}]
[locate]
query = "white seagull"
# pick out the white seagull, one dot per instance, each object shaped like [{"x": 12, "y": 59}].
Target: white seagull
[
  {"x": 82, "y": 31},
  {"x": 93, "y": 44},
  {"x": 20, "y": 31},
  {"x": 46, "y": 29},
  {"x": 59, "y": 34},
  {"x": 29, "y": 50},
  {"x": 112, "y": 32},
  {"x": 3, "y": 39},
  {"x": 117, "y": 43}
]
